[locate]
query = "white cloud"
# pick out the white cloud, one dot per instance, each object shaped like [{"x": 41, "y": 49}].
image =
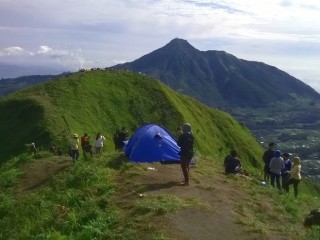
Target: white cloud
[
  {"x": 45, "y": 50},
  {"x": 13, "y": 51}
]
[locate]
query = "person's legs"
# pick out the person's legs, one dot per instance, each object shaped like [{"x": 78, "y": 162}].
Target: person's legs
[
  {"x": 295, "y": 187},
  {"x": 98, "y": 150},
  {"x": 267, "y": 174},
  {"x": 73, "y": 155},
  {"x": 288, "y": 184},
  {"x": 184, "y": 166},
  {"x": 278, "y": 181},
  {"x": 84, "y": 151},
  {"x": 76, "y": 154},
  {"x": 273, "y": 176},
  {"x": 285, "y": 180}
]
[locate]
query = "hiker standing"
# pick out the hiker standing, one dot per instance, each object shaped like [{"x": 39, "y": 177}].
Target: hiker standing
[
  {"x": 285, "y": 172},
  {"x": 267, "y": 156},
  {"x": 86, "y": 146},
  {"x": 295, "y": 177},
  {"x": 99, "y": 143},
  {"x": 116, "y": 140},
  {"x": 33, "y": 148},
  {"x": 84, "y": 142},
  {"x": 74, "y": 148},
  {"x": 276, "y": 165},
  {"x": 122, "y": 137},
  {"x": 185, "y": 142}
]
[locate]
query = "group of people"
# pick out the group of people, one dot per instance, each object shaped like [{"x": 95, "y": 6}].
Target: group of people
[
  {"x": 86, "y": 147},
  {"x": 89, "y": 149},
  {"x": 278, "y": 165}
]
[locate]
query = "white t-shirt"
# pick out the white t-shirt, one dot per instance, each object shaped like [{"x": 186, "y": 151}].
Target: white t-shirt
[{"x": 99, "y": 141}]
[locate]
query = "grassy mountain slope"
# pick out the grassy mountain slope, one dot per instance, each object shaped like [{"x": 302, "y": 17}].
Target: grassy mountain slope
[{"x": 103, "y": 101}]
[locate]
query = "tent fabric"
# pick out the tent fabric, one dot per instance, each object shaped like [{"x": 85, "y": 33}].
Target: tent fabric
[{"x": 152, "y": 143}]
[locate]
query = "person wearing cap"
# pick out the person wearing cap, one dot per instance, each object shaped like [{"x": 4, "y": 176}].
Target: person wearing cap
[
  {"x": 74, "y": 147},
  {"x": 267, "y": 156},
  {"x": 285, "y": 172},
  {"x": 185, "y": 142},
  {"x": 276, "y": 165},
  {"x": 295, "y": 176}
]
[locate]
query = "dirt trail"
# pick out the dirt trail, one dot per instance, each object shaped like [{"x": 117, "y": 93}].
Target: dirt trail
[
  {"x": 37, "y": 174},
  {"x": 217, "y": 191}
]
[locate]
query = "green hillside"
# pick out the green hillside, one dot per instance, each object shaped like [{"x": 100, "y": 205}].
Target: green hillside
[{"x": 103, "y": 101}]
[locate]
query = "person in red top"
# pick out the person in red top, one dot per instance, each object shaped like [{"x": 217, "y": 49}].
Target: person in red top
[{"x": 84, "y": 143}]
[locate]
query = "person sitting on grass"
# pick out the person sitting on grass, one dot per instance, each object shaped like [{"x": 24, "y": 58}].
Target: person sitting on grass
[{"x": 232, "y": 164}]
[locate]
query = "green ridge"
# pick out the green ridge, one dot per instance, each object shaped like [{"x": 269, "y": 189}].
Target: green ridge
[{"x": 103, "y": 101}]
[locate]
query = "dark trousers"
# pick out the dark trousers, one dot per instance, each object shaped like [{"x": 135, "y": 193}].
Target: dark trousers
[
  {"x": 275, "y": 176},
  {"x": 285, "y": 179},
  {"x": 295, "y": 183},
  {"x": 75, "y": 155},
  {"x": 185, "y": 163}
]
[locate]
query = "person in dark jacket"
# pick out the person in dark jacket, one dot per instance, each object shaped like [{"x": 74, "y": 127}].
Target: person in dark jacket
[
  {"x": 267, "y": 156},
  {"x": 285, "y": 172},
  {"x": 122, "y": 136},
  {"x": 232, "y": 163},
  {"x": 185, "y": 142}
]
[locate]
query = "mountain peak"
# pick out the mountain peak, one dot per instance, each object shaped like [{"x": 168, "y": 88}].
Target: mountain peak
[{"x": 179, "y": 43}]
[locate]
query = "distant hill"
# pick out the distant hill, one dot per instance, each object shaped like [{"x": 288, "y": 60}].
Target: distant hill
[
  {"x": 18, "y": 70},
  {"x": 219, "y": 79},
  {"x": 103, "y": 101},
  {"x": 10, "y": 85}
]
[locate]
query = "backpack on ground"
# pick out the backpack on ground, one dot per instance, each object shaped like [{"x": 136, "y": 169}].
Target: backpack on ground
[{"x": 313, "y": 218}]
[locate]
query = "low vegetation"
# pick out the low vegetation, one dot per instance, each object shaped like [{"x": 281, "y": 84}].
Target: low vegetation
[{"x": 93, "y": 199}]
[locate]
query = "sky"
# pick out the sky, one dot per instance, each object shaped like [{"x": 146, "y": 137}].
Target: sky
[{"x": 74, "y": 34}]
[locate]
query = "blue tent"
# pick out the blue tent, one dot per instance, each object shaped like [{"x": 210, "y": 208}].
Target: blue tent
[{"x": 152, "y": 143}]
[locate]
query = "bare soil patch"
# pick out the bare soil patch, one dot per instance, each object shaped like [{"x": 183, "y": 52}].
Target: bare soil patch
[
  {"x": 38, "y": 173},
  {"x": 220, "y": 192}
]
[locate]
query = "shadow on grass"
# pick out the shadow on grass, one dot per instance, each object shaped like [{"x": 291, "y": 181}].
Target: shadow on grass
[
  {"x": 117, "y": 162},
  {"x": 149, "y": 187}
]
